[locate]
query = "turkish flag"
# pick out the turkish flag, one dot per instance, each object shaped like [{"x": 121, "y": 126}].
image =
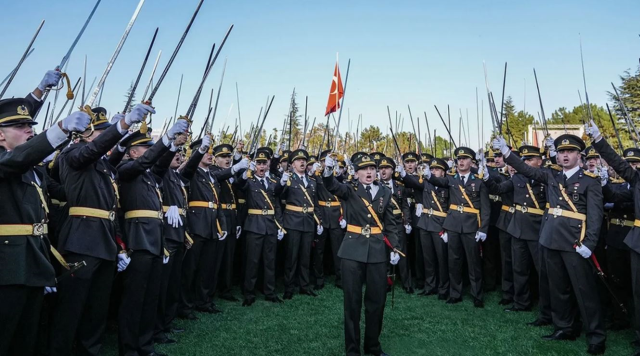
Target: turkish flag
[{"x": 336, "y": 93}]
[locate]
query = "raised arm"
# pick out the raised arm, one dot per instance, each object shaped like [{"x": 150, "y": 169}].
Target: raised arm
[
  {"x": 536, "y": 174},
  {"x": 87, "y": 154},
  {"x": 499, "y": 188},
  {"x": 336, "y": 188},
  {"x": 622, "y": 167},
  {"x": 132, "y": 169},
  {"x": 413, "y": 182}
]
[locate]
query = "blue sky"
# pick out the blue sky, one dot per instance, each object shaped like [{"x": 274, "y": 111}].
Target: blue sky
[{"x": 402, "y": 52}]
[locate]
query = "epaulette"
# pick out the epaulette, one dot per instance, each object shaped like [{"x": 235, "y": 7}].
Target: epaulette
[
  {"x": 504, "y": 173},
  {"x": 555, "y": 167},
  {"x": 272, "y": 180},
  {"x": 451, "y": 173},
  {"x": 400, "y": 184},
  {"x": 589, "y": 174},
  {"x": 477, "y": 176},
  {"x": 616, "y": 180}
]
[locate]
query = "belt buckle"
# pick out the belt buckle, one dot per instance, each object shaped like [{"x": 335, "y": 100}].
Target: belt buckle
[
  {"x": 430, "y": 211},
  {"x": 524, "y": 209},
  {"x": 210, "y": 205},
  {"x": 366, "y": 231},
  {"x": 265, "y": 212},
  {"x": 305, "y": 209},
  {"x": 618, "y": 222},
  {"x": 328, "y": 204},
  {"x": 228, "y": 206},
  {"x": 160, "y": 215},
  {"x": 183, "y": 212},
  {"x": 112, "y": 215},
  {"x": 512, "y": 209},
  {"x": 557, "y": 212},
  {"x": 460, "y": 209},
  {"x": 38, "y": 229}
]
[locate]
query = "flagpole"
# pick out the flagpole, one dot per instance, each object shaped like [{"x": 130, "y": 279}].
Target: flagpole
[{"x": 344, "y": 92}]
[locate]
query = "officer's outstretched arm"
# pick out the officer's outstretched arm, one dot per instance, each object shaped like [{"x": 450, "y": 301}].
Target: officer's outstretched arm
[
  {"x": 540, "y": 175},
  {"x": 132, "y": 169},
  {"x": 336, "y": 188},
  {"x": 442, "y": 182},
  {"x": 412, "y": 181},
  {"x": 499, "y": 188},
  {"x": 622, "y": 167}
]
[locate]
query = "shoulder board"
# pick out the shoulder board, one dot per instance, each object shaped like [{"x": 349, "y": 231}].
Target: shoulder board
[
  {"x": 453, "y": 174},
  {"x": 589, "y": 174},
  {"x": 477, "y": 176},
  {"x": 505, "y": 173},
  {"x": 400, "y": 184},
  {"x": 272, "y": 180},
  {"x": 616, "y": 180},
  {"x": 556, "y": 167}
]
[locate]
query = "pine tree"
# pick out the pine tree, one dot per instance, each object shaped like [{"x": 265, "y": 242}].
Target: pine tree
[{"x": 133, "y": 98}]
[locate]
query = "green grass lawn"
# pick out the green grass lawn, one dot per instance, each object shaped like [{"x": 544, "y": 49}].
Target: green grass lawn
[{"x": 415, "y": 326}]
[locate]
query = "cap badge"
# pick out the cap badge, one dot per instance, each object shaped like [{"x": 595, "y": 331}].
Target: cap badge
[
  {"x": 630, "y": 154},
  {"x": 565, "y": 141},
  {"x": 461, "y": 152},
  {"x": 225, "y": 149},
  {"x": 525, "y": 150},
  {"x": 261, "y": 155},
  {"x": 592, "y": 151},
  {"x": 365, "y": 159},
  {"x": 22, "y": 110}
]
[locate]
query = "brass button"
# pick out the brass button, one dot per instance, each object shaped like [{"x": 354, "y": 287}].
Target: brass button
[
  {"x": 6, "y": 242},
  {"x": 368, "y": 215}
]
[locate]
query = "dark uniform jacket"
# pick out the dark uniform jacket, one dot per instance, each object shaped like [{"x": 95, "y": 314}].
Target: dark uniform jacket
[
  {"x": 620, "y": 194},
  {"x": 584, "y": 191},
  {"x": 24, "y": 260},
  {"x": 228, "y": 201},
  {"x": 140, "y": 184},
  {"x": 204, "y": 188},
  {"x": 174, "y": 193},
  {"x": 496, "y": 199},
  {"x": 325, "y": 210},
  {"x": 293, "y": 192},
  {"x": 478, "y": 195},
  {"x": 426, "y": 221},
  {"x": 254, "y": 191},
  {"x": 401, "y": 210},
  {"x": 630, "y": 175},
  {"x": 89, "y": 180},
  {"x": 359, "y": 247}
]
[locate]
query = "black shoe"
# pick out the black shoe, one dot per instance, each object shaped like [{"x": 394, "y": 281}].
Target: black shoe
[
  {"x": 187, "y": 316},
  {"x": 339, "y": 286},
  {"x": 454, "y": 300},
  {"x": 229, "y": 297},
  {"x": 409, "y": 290},
  {"x": 443, "y": 297},
  {"x": 559, "y": 335},
  {"x": 173, "y": 328},
  {"x": 478, "y": 303},
  {"x": 319, "y": 287},
  {"x": 274, "y": 299},
  {"x": 309, "y": 292},
  {"x": 287, "y": 295},
  {"x": 516, "y": 309},
  {"x": 247, "y": 302},
  {"x": 539, "y": 323},
  {"x": 504, "y": 301},
  {"x": 165, "y": 341},
  {"x": 426, "y": 293},
  {"x": 596, "y": 349}
]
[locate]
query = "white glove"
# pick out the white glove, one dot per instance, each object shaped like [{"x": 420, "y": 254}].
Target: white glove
[
  {"x": 604, "y": 177},
  {"x": 352, "y": 171},
  {"x": 583, "y": 251},
  {"x": 123, "y": 148},
  {"x": 222, "y": 236},
  {"x": 252, "y": 166},
  {"x": 283, "y": 147},
  {"x": 76, "y": 122},
  {"x": 343, "y": 223},
  {"x": 485, "y": 172},
  {"x": 206, "y": 142},
  {"x": 243, "y": 164},
  {"x": 280, "y": 235},
  {"x": 48, "y": 290},
  {"x": 408, "y": 228},
  {"x": 418, "y": 210},
  {"x": 394, "y": 258},
  {"x": 480, "y": 236},
  {"x": 123, "y": 261},
  {"x": 450, "y": 163},
  {"x": 444, "y": 236},
  {"x": 179, "y": 127},
  {"x": 50, "y": 157},
  {"x": 499, "y": 144},
  {"x": 609, "y": 206},
  {"x": 138, "y": 113},
  {"x": 50, "y": 79},
  {"x": 238, "y": 231},
  {"x": 319, "y": 230},
  {"x": 549, "y": 143},
  {"x": 165, "y": 259},
  {"x": 329, "y": 162},
  {"x": 400, "y": 170},
  {"x": 116, "y": 118},
  {"x": 173, "y": 216},
  {"x": 593, "y": 131},
  {"x": 426, "y": 172},
  {"x": 284, "y": 179},
  {"x": 316, "y": 167}
]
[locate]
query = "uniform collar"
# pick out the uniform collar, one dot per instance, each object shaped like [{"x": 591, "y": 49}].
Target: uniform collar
[{"x": 571, "y": 172}]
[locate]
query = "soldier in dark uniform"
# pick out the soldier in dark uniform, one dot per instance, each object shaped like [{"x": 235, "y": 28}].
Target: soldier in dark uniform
[
  {"x": 27, "y": 274},
  {"x": 89, "y": 234},
  {"x": 207, "y": 227},
  {"x": 401, "y": 214},
  {"x": 466, "y": 225},
  {"x": 331, "y": 214},
  {"x": 431, "y": 233},
  {"x": 300, "y": 221},
  {"x": 414, "y": 245},
  {"x": 263, "y": 227},
  {"x": 569, "y": 234},
  {"x": 496, "y": 249},
  {"x": 223, "y": 172},
  {"x": 174, "y": 206},
  {"x": 140, "y": 181},
  {"x": 363, "y": 252}
]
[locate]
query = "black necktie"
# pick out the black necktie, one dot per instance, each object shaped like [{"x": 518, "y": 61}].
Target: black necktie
[
  {"x": 462, "y": 177},
  {"x": 264, "y": 183},
  {"x": 564, "y": 179},
  {"x": 368, "y": 189}
]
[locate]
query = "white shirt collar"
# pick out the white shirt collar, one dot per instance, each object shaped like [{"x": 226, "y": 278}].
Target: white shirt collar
[{"x": 571, "y": 172}]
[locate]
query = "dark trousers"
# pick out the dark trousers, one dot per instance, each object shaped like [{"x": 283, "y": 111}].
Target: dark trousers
[
  {"x": 419, "y": 259},
  {"x": 619, "y": 261},
  {"x": 81, "y": 307},
  {"x": 137, "y": 315},
  {"x": 258, "y": 247},
  {"x": 572, "y": 278},
  {"x": 192, "y": 276},
  {"x": 297, "y": 259},
  {"x": 436, "y": 262},
  {"x": 525, "y": 254},
  {"x": 335, "y": 237},
  {"x": 354, "y": 275},
  {"x": 464, "y": 245},
  {"x": 635, "y": 282},
  {"x": 19, "y": 316},
  {"x": 169, "y": 291},
  {"x": 210, "y": 264},
  {"x": 507, "y": 259},
  {"x": 227, "y": 269},
  {"x": 403, "y": 264},
  {"x": 491, "y": 259}
]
